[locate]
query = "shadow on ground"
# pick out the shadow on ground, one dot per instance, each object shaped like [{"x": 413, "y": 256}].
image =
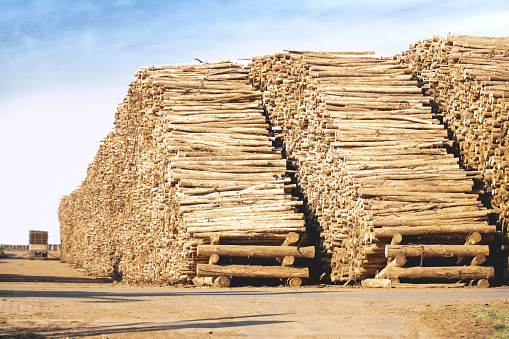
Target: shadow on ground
[
  {"x": 208, "y": 324},
  {"x": 110, "y": 296},
  {"x": 50, "y": 279}
]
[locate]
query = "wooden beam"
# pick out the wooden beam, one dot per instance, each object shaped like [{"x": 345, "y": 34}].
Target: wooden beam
[
  {"x": 251, "y": 271},
  {"x": 436, "y": 251},
  {"x": 255, "y": 251},
  {"x": 448, "y": 272}
]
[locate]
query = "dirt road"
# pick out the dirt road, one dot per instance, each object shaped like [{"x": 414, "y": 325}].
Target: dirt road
[{"x": 49, "y": 298}]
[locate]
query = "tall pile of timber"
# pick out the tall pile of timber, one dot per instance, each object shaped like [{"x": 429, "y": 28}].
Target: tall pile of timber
[
  {"x": 373, "y": 167},
  {"x": 187, "y": 184},
  {"x": 468, "y": 80}
]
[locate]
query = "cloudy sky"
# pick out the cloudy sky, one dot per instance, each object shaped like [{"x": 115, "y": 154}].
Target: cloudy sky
[{"x": 65, "y": 65}]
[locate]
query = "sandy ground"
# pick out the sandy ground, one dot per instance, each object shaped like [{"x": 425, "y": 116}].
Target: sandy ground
[{"x": 50, "y": 299}]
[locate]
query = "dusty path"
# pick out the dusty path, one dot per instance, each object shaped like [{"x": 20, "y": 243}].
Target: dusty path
[{"x": 49, "y": 298}]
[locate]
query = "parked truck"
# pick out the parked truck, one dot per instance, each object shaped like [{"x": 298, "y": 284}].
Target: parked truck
[{"x": 38, "y": 245}]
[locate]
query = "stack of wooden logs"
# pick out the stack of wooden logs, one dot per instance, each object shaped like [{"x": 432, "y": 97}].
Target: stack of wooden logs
[
  {"x": 373, "y": 167},
  {"x": 468, "y": 80},
  {"x": 188, "y": 180}
]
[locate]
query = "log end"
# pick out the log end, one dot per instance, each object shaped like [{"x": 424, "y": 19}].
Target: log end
[{"x": 294, "y": 282}]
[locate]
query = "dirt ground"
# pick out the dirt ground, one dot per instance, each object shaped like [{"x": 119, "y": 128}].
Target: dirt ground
[{"x": 46, "y": 298}]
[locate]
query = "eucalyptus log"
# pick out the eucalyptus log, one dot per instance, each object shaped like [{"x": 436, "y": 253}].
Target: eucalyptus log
[
  {"x": 256, "y": 251},
  {"x": 478, "y": 260},
  {"x": 446, "y": 272},
  {"x": 251, "y": 271},
  {"x": 399, "y": 261},
  {"x": 221, "y": 281},
  {"x": 376, "y": 283},
  {"x": 433, "y": 251},
  {"x": 388, "y": 232}
]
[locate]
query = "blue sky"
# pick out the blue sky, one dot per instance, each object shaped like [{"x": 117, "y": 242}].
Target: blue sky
[{"x": 65, "y": 65}]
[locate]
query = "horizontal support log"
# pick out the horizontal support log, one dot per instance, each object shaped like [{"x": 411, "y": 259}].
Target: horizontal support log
[
  {"x": 376, "y": 283},
  {"x": 211, "y": 183},
  {"x": 251, "y": 271},
  {"x": 296, "y": 226},
  {"x": 271, "y": 163},
  {"x": 434, "y": 217},
  {"x": 247, "y": 157},
  {"x": 447, "y": 272},
  {"x": 271, "y": 237},
  {"x": 436, "y": 251},
  {"x": 221, "y": 281},
  {"x": 230, "y": 219},
  {"x": 388, "y": 232},
  {"x": 382, "y": 89},
  {"x": 256, "y": 251}
]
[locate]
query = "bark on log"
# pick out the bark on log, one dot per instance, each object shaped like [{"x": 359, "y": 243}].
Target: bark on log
[
  {"x": 256, "y": 251},
  {"x": 251, "y": 271},
  {"x": 431, "y": 251},
  {"x": 448, "y": 272},
  {"x": 388, "y": 232},
  {"x": 376, "y": 283}
]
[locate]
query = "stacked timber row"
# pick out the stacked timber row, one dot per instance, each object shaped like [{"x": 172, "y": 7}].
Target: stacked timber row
[
  {"x": 373, "y": 168},
  {"x": 468, "y": 80},
  {"x": 187, "y": 184}
]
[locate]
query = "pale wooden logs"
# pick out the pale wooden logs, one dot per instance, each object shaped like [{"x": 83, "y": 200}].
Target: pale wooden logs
[
  {"x": 388, "y": 232},
  {"x": 256, "y": 251},
  {"x": 370, "y": 157},
  {"x": 251, "y": 271},
  {"x": 351, "y": 106},
  {"x": 221, "y": 281},
  {"x": 399, "y": 261},
  {"x": 445, "y": 272},
  {"x": 478, "y": 260},
  {"x": 190, "y": 149},
  {"x": 440, "y": 251},
  {"x": 467, "y": 79},
  {"x": 483, "y": 283}
]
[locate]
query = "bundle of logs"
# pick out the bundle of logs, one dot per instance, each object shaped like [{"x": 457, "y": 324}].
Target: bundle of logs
[
  {"x": 191, "y": 183},
  {"x": 373, "y": 167},
  {"x": 468, "y": 80},
  {"x": 187, "y": 185}
]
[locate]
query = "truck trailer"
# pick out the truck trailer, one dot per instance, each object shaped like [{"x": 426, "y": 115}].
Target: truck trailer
[{"x": 38, "y": 245}]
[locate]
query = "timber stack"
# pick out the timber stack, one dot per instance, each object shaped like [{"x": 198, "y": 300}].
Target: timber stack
[
  {"x": 187, "y": 185},
  {"x": 468, "y": 80},
  {"x": 372, "y": 164}
]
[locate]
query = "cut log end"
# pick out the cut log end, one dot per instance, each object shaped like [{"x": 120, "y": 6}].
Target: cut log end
[
  {"x": 478, "y": 260},
  {"x": 473, "y": 238},
  {"x": 396, "y": 239},
  {"x": 294, "y": 282},
  {"x": 221, "y": 281},
  {"x": 288, "y": 261},
  {"x": 291, "y": 239},
  {"x": 483, "y": 283},
  {"x": 214, "y": 258},
  {"x": 376, "y": 283}
]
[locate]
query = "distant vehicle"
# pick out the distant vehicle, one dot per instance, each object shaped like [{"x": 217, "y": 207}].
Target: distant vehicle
[
  {"x": 38, "y": 244},
  {"x": 2, "y": 253}
]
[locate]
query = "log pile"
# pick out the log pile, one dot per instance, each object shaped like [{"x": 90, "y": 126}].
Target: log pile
[
  {"x": 372, "y": 165},
  {"x": 189, "y": 163},
  {"x": 468, "y": 80}
]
